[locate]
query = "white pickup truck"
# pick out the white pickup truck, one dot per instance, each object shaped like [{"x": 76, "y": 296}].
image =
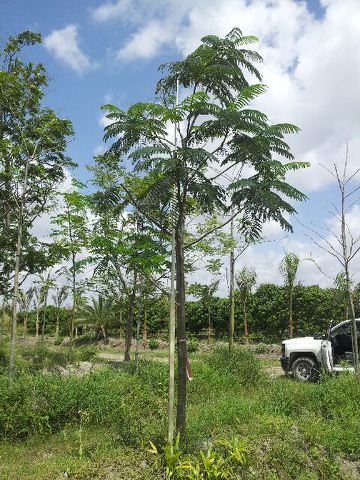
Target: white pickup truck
[{"x": 306, "y": 356}]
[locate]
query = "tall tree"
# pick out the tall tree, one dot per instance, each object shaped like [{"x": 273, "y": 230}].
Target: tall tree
[
  {"x": 32, "y": 145},
  {"x": 288, "y": 268},
  {"x": 71, "y": 237},
  {"x": 342, "y": 243},
  {"x": 124, "y": 246},
  {"x": 246, "y": 280},
  {"x": 216, "y": 128}
]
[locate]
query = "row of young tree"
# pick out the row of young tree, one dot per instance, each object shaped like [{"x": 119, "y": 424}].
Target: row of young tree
[
  {"x": 161, "y": 201},
  {"x": 262, "y": 315}
]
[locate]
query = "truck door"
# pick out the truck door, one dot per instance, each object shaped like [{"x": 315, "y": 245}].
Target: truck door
[{"x": 327, "y": 356}]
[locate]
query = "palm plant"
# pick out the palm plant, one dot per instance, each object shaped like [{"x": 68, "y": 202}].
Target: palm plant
[
  {"x": 97, "y": 315},
  {"x": 25, "y": 299}
]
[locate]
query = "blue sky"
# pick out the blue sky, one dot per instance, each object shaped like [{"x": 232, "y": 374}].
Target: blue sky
[{"x": 99, "y": 51}]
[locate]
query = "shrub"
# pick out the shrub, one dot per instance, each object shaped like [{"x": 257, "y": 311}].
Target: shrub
[
  {"x": 222, "y": 460},
  {"x": 153, "y": 344},
  {"x": 86, "y": 338},
  {"x": 58, "y": 341},
  {"x": 193, "y": 344},
  {"x": 86, "y": 354},
  {"x": 240, "y": 363}
]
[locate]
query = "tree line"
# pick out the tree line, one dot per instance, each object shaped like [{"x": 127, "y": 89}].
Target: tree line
[{"x": 265, "y": 317}]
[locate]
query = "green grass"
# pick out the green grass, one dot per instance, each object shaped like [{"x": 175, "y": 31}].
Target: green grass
[{"x": 99, "y": 425}]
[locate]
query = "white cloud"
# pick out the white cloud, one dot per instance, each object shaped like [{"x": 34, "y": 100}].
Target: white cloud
[
  {"x": 103, "y": 121},
  {"x": 99, "y": 150},
  {"x": 110, "y": 11},
  {"x": 64, "y": 45},
  {"x": 146, "y": 42}
]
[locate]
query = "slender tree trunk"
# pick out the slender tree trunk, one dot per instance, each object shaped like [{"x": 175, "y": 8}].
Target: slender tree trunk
[
  {"x": 129, "y": 322},
  {"x": 231, "y": 294},
  {"x": 57, "y": 326},
  {"x": 138, "y": 324},
  {"x": 355, "y": 346},
  {"x": 144, "y": 336},
  {"x": 15, "y": 299},
  {"x": 291, "y": 333},
  {"x": 246, "y": 330},
  {"x": 120, "y": 321},
  {"x": 2, "y": 317},
  {"x": 17, "y": 273},
  {"x": 209, "y": 323},
  {"x": 172, "y": 335},
  {"x": 26, "y": 318},
  {"x": 103, "y": 331},
  {"x": 74, "y": 306},
  {"x": 44, "y": 317},
  {"x": 37, "y": 323},
  {"x": 181, "y": 327}
]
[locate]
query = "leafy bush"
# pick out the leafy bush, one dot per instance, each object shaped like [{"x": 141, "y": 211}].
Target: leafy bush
[
  {"x": 86, "y": 354},
  {"x": 153, "y": 344},
  {"x": 192, "y": 344},
  {"x": 40, "y": 356},
  {"x": 222, "y": 460},
  {"x": 3, "y": 357},
  {"x": 239, "y": 363},
  {"x": 85, "y": 339}
]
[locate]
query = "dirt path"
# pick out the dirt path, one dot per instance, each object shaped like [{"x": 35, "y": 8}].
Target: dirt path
[{"x": 119, "y": 357}]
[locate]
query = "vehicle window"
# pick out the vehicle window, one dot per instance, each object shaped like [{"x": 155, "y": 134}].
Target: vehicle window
[{"x": 343, "y": 329}]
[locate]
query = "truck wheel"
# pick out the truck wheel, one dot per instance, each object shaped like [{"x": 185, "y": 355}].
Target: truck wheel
[{"x": 305, "y": 369}]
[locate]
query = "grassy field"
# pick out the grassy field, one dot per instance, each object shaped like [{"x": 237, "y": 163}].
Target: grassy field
[{"x": 96, "y": 422}]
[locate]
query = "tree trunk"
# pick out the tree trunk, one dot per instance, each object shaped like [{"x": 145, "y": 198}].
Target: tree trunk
[
  {"x": 44, "y": 317},
  {"x": 231, "y": 293},
  {"x": 246, "y": 331},
  {"x": 129, "y": 322},
  {"x": 138, "y": 324},
  {"x": 291, "y": 313},
  {"x": 17, "y": 273},
  {"x": 37, "y": 323},
  {"x": 2, "y": 318},
  {"x": 181, "y": 327},
  {"x": 26, "y": 318},
  {"x": 120, "y": 321},
  {"x": 57, "y": 327},
  {"x": 209, "y": 323},
  {"x": 73, "y": 310},
  {"x": 144, "y": 336},
  {"x": 15, "y": 299},
  {"x": 355, "y": 346},
  {"x": 103, "y": 332}
]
